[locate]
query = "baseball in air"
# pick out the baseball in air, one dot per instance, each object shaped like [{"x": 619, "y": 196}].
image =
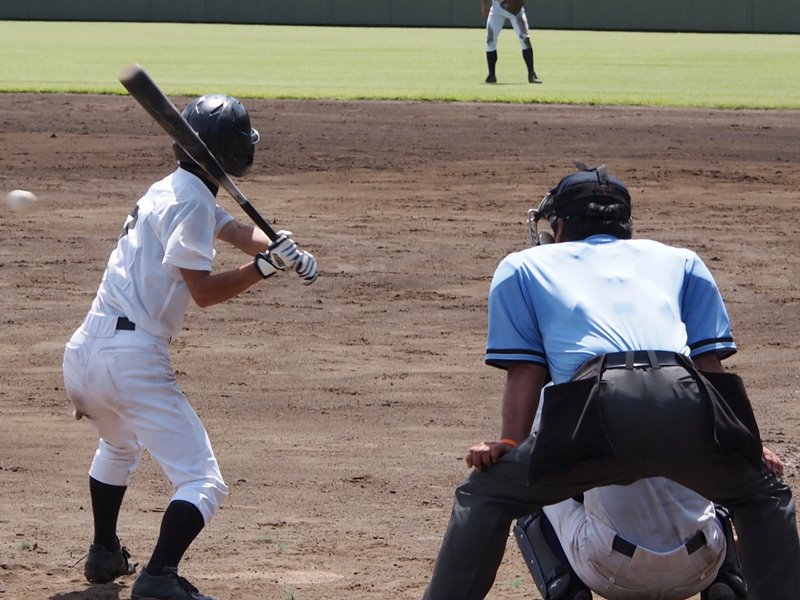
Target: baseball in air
[{"x": 20, "y": 199}]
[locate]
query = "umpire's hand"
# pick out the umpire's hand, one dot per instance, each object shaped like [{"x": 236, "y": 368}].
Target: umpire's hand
[
  {"x": 485, "y": 454},
  {"x": 771, "y": 461}
]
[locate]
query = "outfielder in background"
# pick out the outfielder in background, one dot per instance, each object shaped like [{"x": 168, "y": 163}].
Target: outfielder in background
[
  {"x": 632, "y": 333},
  {"x": 117, "y": 367},
  {"x": 496, "y": 16}
]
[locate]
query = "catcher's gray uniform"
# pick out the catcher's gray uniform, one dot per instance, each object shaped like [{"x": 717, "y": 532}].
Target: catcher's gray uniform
[
  {"x": 653, "y": 538},
  {"x": 641, "y": 540}
]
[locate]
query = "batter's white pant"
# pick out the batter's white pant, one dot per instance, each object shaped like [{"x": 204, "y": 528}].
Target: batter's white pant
[
  {"x": 674, "y": 575},
  {"x": 123, "y": 382},
  {"x": 497, "y": 19}
]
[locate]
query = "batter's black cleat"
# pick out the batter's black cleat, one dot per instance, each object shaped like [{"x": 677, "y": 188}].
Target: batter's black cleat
[
  {"x": 491, "y": 78},
  {"x": 167, "y": 586},
  {"x": 103, "y": 565},
  {"x": 532, "y": 78}
]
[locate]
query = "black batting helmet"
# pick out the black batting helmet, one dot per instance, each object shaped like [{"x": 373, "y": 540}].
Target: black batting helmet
[
  {"x": 223, "y": 123},
  {"x": 573, "y": 195}
]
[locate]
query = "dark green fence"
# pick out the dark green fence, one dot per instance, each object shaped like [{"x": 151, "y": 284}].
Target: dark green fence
[{"x": 750, "y": 16}]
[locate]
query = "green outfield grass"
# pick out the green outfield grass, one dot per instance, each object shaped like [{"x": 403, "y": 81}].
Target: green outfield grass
[{"x": 577, "y": 67}]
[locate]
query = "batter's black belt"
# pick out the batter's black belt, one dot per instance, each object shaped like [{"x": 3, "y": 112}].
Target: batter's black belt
[
  {"x": 125, "y": 324},
  {"x": 623, "y": 546},
  {"x": 637, "y": 359}
]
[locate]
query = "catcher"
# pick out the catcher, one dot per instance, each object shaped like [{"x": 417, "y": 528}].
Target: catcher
[
  {"x": 653, "y": 538},
  {"x": 496, "y": 17}
]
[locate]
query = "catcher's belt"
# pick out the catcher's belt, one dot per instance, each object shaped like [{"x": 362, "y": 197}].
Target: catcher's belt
[{"x": 512, "y": 6}]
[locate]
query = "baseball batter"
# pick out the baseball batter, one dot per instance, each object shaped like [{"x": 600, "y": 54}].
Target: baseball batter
[
  {"x": 117, "y": 367},
  {"x": 496, "y": 16}
]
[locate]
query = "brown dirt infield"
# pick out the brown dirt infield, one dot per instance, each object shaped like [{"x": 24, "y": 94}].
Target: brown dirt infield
[{"x": 340, "y": 412}]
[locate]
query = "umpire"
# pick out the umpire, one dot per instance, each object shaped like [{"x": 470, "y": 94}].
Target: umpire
[{"x": 632, "y": 333}]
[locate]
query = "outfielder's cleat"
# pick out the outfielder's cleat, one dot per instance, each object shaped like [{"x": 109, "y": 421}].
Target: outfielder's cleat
[
  {"x": 532, "y": 78},
  {"x": 103, "y": 565},
  {"x": 491, "y": 78},
  {"x": 167, "y": 586}
]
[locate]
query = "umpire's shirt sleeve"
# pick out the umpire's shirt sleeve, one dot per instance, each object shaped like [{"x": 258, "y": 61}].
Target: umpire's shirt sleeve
[
  {"x": 708, "y": 327},
  {"x": 513, "y": 329}
]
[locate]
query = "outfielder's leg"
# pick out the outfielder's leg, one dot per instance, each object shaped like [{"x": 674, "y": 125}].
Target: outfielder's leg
[
  {"x": 494, "y": 25},
  {"x": 520, "y": 24},
  {"x": 491, "y": 61}
]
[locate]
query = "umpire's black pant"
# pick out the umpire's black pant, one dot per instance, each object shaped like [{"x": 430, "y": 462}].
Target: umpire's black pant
[{"x": 658, "y": 424}]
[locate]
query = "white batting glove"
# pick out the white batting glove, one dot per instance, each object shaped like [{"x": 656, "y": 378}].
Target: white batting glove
[
  {"x": 284, "y": 249},
  {"x": 306, "y": 267},
  {"x": 266, "y": 265}
]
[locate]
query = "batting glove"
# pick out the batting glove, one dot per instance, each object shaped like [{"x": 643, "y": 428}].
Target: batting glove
[
  {"x": 283, "y": 249},
  {"x": 306, "y": 267},
  {"x": 266, "y": 265}
]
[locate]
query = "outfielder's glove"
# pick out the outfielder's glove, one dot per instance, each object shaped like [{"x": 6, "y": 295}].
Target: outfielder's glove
[{"x": 512, "y": 6}]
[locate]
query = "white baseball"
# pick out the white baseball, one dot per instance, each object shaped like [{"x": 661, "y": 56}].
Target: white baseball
[{"x": 20, "y": 199}]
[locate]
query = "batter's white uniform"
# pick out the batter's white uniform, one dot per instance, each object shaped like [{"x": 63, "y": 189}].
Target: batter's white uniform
[
  {"x": 497, "y": 19},
  {"x": 123, "y": 379}
]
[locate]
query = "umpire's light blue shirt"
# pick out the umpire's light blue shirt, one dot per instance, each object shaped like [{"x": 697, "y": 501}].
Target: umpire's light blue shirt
[{"x": 561, "y": 304}]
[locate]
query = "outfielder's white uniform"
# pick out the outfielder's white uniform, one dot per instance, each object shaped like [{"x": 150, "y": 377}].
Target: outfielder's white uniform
[
  {"x": 497, "y": 19},
  {"x": 123, "y": 379}
]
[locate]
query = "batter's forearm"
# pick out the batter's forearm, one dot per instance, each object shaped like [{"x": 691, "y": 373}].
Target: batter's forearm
[
  {"x": 208, "y": 289},
  {"x": 247, "y": 238}
]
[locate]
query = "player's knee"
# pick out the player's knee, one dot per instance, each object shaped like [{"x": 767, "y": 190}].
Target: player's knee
[
  {"x": 113, "y": 465},
  {"x": 207, "y": 495}
]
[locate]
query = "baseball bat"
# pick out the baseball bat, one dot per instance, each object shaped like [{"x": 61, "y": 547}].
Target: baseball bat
[{"x": 145, "y": 91}]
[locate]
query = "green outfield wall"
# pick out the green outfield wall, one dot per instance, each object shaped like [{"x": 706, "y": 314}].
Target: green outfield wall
[{"x": 746, "y": 16}]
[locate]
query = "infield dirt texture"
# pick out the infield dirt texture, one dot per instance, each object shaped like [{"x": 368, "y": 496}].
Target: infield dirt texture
[{"x": 340, "y": 412}]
